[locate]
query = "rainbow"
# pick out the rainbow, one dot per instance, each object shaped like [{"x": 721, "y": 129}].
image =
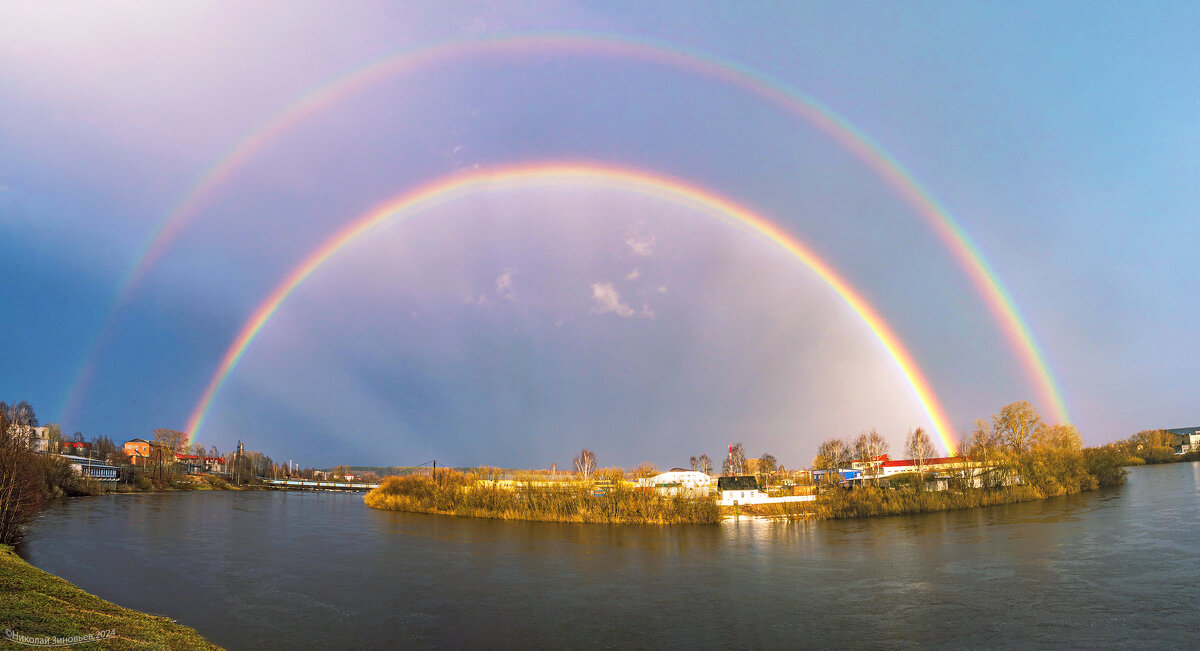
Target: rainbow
[
  {"x": 765, "y": 86},
  {"x": 448, "y": 189}
]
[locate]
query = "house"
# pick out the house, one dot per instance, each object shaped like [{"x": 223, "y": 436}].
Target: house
[
  {"x": 1187, "y": 439},
  {"x": 75, "y": 447},
  {"x": 140, "y": 451},
  {"x": 37, "y": 437},
  {"x": 678, "y": 481},
  {"x": 193, "y": 463},
  {"x": 739, "y": 490}
]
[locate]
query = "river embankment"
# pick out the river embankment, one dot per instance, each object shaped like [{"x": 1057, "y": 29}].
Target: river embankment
[{"x": 41, "y": 609}]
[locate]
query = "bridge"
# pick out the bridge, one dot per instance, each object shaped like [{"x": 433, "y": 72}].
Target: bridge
[{"x": 307, "y": 485}]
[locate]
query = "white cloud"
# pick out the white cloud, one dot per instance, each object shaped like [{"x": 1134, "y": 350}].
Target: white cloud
[
  {"x": 641, "y": 245},
  {"x": 633, "y": 275},
  {"x": 647, "y": 312},
  {"x": 662, "y": 289},
  {"x": 608, "y": 299},
  {"x": 504, "y": 285}
]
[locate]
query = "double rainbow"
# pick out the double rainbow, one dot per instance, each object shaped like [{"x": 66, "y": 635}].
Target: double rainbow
[
  {"x": 758, "y": 83},
  {"x": 442, "y": 191}
]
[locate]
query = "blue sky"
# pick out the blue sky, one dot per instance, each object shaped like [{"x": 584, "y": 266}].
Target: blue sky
[{"x": 1065, "y": 138}]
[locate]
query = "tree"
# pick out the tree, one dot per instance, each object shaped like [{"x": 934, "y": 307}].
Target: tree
[
  {"x": 919, "y": 448},
  {"x": 585, "y": 463},
  {"x": 704, "y": 464},
  {"x": 21, "y": 420},
  {"x": 20, "y": 480},
  {"x": 1017, "y": 425},
  {"x": 767, "y": 466},
  {"x": 832, "y": 455},
  {"x": 693, "y": 461},
  {"x": 53, "y": 437},
  {"x": 735, "y": 463},
  {"x": 645, "y": 471},
  {"x": 868, "y": 447},
  {"x": 162, "y": 456},
  {"x": 1059, "y": 437}
]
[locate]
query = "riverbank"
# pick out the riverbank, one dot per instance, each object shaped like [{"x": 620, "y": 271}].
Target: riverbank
[
  {"x": 35, "y": 604},
  {"x": 459, "y": 494}
]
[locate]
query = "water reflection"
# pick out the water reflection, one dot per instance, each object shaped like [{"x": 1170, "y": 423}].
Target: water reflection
[{"x": 320, "y": 570}]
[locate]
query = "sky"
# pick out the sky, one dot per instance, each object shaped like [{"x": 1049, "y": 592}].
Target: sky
[{"x": 166, "y": 167}]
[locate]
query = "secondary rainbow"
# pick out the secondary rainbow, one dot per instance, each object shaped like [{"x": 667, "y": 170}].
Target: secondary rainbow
[
  {"x": 450, "y": 188},
  {"x": 761, "y": 84}
]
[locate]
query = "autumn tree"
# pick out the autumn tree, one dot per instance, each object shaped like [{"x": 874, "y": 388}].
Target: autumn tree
[
  {"x": 585, "y": 463},
  {"x": 1017, "y": 426},
  {"x": 645, "y": 471}
]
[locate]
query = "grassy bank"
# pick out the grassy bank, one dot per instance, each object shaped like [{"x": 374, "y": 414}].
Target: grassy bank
[
  {"x": 454, "y": 493},
  {"x": 36, "y": 604}
]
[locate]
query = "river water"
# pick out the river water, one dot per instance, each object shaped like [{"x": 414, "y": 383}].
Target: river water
[{"x": 1114, "y": 568}]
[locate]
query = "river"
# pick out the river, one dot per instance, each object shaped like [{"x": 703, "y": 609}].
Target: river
[{"x": 1114, "y": 568}]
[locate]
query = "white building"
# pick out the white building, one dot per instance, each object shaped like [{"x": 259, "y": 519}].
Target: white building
[{"x": 677, "y": 481}]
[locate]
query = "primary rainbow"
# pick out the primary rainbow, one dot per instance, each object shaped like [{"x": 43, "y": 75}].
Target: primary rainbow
[
  {"x": 455, "y": 186},
  {"x": 769, "y": 88}
]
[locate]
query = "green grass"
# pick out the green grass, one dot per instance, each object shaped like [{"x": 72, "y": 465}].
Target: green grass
[{"x": 37, "y": 604}]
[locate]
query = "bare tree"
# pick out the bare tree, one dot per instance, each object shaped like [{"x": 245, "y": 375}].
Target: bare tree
[
  {"x": 20, "y": 483},
  {"x": 585, "y": 463},
  {"x": 868, "y": 447},
  {"x": 704, "y": 464},
  {"x": 693, "y": 461},
  {"x": 919, "y": 449},
  {"x": 832, "y": 455},
  {"x": 767, "y": 465},
  {"x": 735, "y": 463}
]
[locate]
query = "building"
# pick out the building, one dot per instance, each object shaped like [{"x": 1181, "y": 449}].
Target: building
[
  {"x": 1187, "y": 439},
  {"x": 739, "y": 490},
  {"x": 38, "y": 437},
  {"x": 140, "y": 450},
  {"x": 93, "y": 469},
  {"x": 847, "y": 474},
  {"x": 940, "y": 465},
  {"x": 193, "y": 463},
  {"x": 678, "y": 481},
  {"x": 81, "y": 448}
]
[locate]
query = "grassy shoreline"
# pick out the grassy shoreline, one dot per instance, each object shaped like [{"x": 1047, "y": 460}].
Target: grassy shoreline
[
  {"x": 37, "y": 604},
  {"x": 459, "y": 494}
]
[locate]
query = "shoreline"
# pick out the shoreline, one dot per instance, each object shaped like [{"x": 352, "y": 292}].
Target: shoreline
[{"x": 45, "y": 609}]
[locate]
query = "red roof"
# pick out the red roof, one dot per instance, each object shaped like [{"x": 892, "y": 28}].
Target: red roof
[{"x": 900, "y": 463}]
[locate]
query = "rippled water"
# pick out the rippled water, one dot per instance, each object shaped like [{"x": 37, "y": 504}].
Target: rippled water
[{"x": 320, "y": 570}]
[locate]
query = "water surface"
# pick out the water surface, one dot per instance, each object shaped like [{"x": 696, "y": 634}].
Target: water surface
[{"x": 320, "y": 570}]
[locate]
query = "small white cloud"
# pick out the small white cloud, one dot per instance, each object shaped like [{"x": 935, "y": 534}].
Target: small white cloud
[
  {"x": 633, "y": 275},
  {"x": 608, "y": 299},
  {"x": 662, "y": 289},
  {"x": 647, "y": 313},
  {"x": 504, "y": 285},
  {"x": 641, "y": 245}
]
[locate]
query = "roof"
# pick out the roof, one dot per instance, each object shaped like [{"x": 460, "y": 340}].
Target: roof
[
  {"x": 899, "y": 463},
  {"x": 1184, "y": 430},
  {"x": 681, "y": 470},
  {"x": 140, "y": 441},
  {"x": 743, "y": 483}
]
